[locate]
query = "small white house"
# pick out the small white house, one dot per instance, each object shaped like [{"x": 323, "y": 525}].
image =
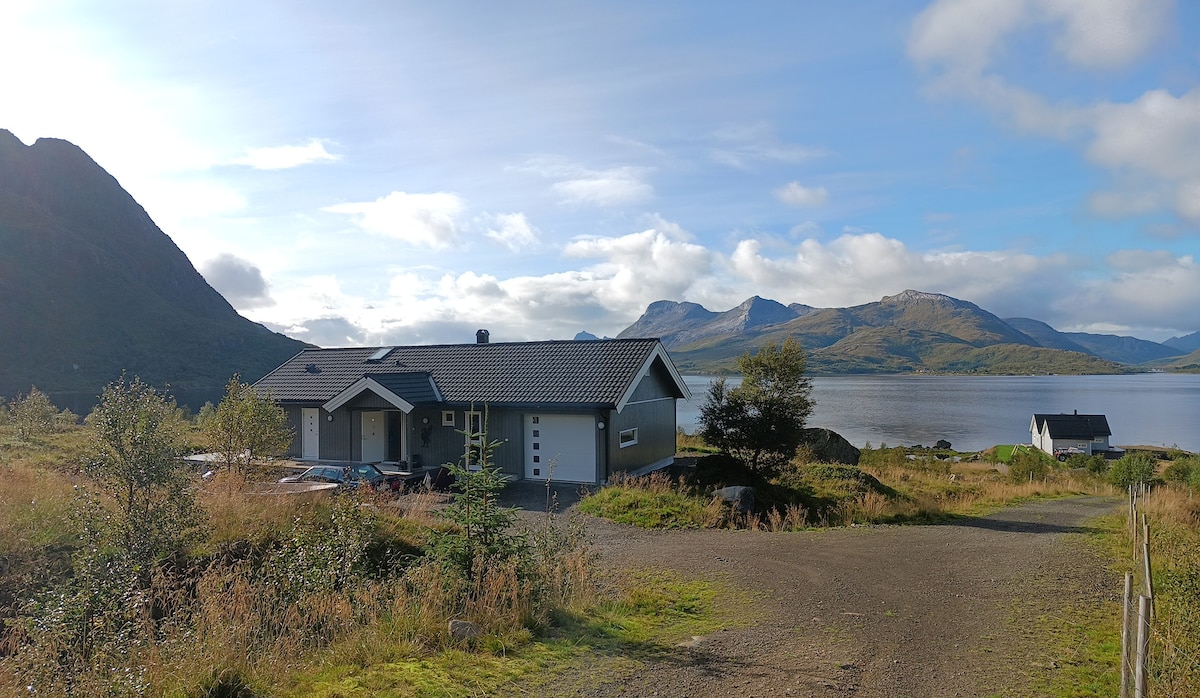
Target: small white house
[{"x": 1086, "y": 433}]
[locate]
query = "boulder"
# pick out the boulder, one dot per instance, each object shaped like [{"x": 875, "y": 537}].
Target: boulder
[
  {"x": 464, "y": 630},
  {"x": 741, "y": 498},
  {"x": 828, "y": 446}
]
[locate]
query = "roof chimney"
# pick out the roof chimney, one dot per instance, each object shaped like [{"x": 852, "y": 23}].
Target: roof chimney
[{"x": 481, "y": 336}]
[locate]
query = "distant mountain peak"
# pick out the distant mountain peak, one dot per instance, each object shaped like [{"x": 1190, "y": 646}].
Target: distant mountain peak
[{"x": 911, "y": 295}]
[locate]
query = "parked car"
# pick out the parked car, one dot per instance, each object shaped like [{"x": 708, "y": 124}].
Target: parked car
[
  {"x": 349, "y": 476},
  {"x": 1062, "y": 454}
]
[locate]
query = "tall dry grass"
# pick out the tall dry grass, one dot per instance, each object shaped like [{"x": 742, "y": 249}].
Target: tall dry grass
[
  {"x": 232, "y": 615},
  {"x": 1174, "y": 517}
]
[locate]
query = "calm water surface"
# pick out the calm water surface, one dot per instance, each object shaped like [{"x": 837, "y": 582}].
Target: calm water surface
[{"x": 973, "y": 413}]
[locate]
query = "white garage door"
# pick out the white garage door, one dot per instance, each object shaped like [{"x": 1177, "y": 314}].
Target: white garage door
[{"x": 560, "y": 447}]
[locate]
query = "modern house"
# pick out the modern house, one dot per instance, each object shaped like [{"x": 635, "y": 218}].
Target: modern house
[
  {"x": 1057, "y": 433},
  {"x": 571, "y": 411}
]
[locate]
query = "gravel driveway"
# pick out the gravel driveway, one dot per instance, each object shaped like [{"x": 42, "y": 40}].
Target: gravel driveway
[{"x": 871, "y": 611}]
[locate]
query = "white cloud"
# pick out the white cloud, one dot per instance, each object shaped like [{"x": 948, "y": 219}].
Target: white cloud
[
  {"x": 287, "y": 156},
  {"x": 615, "y": 278},
  {"x": 511, "y": 230},
  {"x": 428, "y": 220},
  {"x": 795, "y": 194},
  {"x": 1146, "y": 289},
  {"x": 606, "y": 188},
  {"x": 1106, "y": 33},
  {"x": 860, "y": 267},
  {"x": 240, "y": 281},
  {"x": 1147, "y": 143}
]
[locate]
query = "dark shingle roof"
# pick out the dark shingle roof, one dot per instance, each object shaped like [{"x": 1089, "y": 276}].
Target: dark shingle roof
[
  {"x": 583, "y": 373},
  {"x": 1073, "y": 426}
]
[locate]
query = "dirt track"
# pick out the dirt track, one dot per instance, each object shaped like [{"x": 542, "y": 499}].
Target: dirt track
[{"x": 876, "y": 611}]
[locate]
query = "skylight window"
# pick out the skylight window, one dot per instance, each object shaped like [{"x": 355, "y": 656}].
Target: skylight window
[{"x": 378, "y": 356}]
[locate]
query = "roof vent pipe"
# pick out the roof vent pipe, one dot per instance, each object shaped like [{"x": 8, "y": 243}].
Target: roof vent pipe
[{"x": 481, "y": 336}]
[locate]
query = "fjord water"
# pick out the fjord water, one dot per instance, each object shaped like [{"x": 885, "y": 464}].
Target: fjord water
[{"x": 977, "y": 412}]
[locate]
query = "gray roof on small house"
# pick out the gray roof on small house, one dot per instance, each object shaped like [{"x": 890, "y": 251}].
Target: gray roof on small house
[
  {"x": 562, "y": 373},
  {"x": 1073, "y": 426}
]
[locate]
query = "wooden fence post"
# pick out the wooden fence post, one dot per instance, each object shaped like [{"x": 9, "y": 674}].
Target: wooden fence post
[
  {"x": 1126, "y": 649},
  {"x": 1126, "y": 600},
  {"x": 1143, "y": 648},
  {"x": 1149, "y": 577}
]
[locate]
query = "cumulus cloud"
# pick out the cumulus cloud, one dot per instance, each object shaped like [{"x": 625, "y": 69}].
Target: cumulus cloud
[
  {"x": 1147, "y": 143},
  {"x": 240, "y": 281},
  {"x": 284, "y": 157},
  {"x": 426, "y": 220},
  {"x": 511, "y": 230},
  {"x": 796, "y": 194},
  {"x": 616, "y": 277},
  {"x": 859, "y": 267},
  {"x": 1146, "y": 289},
  {"x": 329, "y": 332}
]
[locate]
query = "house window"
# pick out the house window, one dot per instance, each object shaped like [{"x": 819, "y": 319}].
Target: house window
[
  {"x": 447, "y": 418},
  {"x": 475, "y": 427},
  {"x": 628, "y": 437}
]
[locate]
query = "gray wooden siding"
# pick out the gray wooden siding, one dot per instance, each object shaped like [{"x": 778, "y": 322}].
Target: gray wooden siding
[
  {"x": 656, "y": 384},
  {"x": 655, "y": 422},
  {"x": 293, "y": 417},
  {"x": 446, "y": 444}
]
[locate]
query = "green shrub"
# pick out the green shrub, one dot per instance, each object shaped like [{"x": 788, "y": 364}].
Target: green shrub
[
  {"x": 1181, "y": 470},
  {"x": 1026, "y": 466},
  {"x": 33, "y": 415},
  {"x": 1132, "y": 468},
  {"x": 1093, "y": 464}
]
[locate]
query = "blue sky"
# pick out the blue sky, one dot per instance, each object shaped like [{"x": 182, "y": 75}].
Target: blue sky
[{"x": 395, "y": 172}]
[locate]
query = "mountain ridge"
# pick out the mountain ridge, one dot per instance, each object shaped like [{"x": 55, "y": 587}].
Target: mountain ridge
[{"x": 912, "y": 331}]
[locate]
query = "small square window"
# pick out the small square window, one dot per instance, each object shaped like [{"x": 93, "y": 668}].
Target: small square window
[
  {"x": 629, "y": 437},
  {"x": 537, "y": 459},
  {"x": 447, "y": 418},
  {"x": 537, "y": 446}
]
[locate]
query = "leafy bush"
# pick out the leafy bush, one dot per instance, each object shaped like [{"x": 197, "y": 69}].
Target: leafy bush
[
  {"x": 33, "y": 415},
  {"x": 1132, "y": 468},
  {"x": 1093, "y": 464},
  {"x": 1026, "y": 466},
  {"x": 1182, "y": 470}
]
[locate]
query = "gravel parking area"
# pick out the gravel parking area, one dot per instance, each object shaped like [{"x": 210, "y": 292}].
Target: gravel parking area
[{"x": 870, "y": 611}]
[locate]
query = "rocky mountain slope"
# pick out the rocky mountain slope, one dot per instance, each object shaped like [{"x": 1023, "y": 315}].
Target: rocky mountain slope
[
  {"x": 910, "y": 331},
  {"x": 91, "y": 287}
]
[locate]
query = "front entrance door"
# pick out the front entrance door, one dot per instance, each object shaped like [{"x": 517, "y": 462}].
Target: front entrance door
[
  {"x": 374, "y": 437},
  {"x": 310, "y": 437}
]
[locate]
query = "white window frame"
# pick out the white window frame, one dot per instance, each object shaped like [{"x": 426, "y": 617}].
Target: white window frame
[
  {"x": 631, "y": 432},
  {"x": 448, "y": 418},
  {"x": 474, "y": 430}
]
